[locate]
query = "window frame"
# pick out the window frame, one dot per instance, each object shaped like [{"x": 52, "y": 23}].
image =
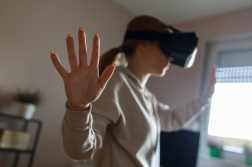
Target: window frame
[{"x": 212, "y": 48}]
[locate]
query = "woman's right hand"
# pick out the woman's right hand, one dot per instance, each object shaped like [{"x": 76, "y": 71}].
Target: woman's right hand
[{"x": 83, "y": 85}]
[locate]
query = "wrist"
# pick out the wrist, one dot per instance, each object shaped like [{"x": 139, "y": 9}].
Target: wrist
[{"x": 78, "y": 107}]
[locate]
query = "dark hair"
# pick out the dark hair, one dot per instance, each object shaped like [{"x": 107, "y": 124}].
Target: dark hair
[{"x": 128, "y": 47}]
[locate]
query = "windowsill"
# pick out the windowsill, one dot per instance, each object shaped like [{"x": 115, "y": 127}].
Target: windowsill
[
  {"x": 230, "y": 161},
  {"x": 233, "y": 150}
]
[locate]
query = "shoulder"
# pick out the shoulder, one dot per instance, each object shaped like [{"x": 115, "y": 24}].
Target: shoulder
[
  {"x": 113, "y": 87},
  {"x": 105, "y": 106},
  {"x": 113, "y": 84}
]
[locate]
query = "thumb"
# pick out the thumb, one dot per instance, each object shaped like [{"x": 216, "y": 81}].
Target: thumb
[{"x": 106, "y": 75}]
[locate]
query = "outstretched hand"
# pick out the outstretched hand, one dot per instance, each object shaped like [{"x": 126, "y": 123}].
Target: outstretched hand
[{"x": 83, "y": 85}]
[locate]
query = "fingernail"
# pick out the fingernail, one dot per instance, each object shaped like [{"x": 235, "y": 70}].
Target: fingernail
[
  {"x": 81, "y": 28},
  {"x": 97, "y": 35},
  {"x": 114, "y": 65},
  {"x": 50, "y": 50},
  {"x": 69, "y": 34}
]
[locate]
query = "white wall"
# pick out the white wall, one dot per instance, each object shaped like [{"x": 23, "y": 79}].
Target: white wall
[{"x": 29, "y": 28}]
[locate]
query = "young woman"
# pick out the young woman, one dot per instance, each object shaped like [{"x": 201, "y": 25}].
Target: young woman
[{"x": 118, "y": 126}]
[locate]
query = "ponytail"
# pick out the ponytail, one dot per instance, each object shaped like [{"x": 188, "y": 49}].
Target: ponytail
[
  {"x": 118, "y": 55},
  {"x": 108, "y": 58}
]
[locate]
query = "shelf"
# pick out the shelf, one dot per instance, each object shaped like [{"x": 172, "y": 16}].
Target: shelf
[
  {"x": 15, "y": 150},
  {"x": 25, "y": 126},
  {"x": 19, "y": 118}
]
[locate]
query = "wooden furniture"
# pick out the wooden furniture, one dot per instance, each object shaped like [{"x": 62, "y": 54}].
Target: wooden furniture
[{"x": 25, "y": 127}]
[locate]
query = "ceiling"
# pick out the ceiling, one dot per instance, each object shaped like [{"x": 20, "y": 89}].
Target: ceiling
[{"x": 174, "y": 11}]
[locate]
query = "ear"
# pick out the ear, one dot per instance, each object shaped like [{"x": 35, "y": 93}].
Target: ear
[
  {"x": 142, "y": 46},
  {"x": 145, "y": 47}
]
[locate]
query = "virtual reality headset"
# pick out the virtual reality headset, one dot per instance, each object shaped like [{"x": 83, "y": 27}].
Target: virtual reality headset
[{"x": 180, "y": 46}]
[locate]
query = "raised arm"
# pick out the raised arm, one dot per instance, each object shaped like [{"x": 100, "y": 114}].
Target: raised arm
[
  {"x": 83, "y": 86},
  {"x": 177, "y": 118},
  {"x": 173, "y": 119}
]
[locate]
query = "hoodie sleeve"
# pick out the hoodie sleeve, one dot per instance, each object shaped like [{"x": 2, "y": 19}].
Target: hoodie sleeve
[
  {"x": 83, "y": 131},
  {"x": 179, "y": 117}
]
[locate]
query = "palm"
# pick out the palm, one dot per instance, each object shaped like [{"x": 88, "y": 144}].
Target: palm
[
  {"x": 81, "y": 92},
  {"x": 82, "y": 84}
]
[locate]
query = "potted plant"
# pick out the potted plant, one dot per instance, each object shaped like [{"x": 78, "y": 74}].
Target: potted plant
[
  {"x": 29, "y": 102},
  {"x": 248, "y": 153},
  {"x": 215, "y": 148},
  {"x": 7, "y": 98}
]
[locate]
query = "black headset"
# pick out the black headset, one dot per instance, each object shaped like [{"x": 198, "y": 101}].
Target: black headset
[{"x": 181, "y": 46}]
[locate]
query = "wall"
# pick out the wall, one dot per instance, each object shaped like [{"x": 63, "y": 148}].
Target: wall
[{"x": 29, "y": 28}]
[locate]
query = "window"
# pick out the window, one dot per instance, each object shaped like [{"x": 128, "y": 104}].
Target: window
[
  {"x": 230, "y": 116},
  {"x": 231, "y": 107}
]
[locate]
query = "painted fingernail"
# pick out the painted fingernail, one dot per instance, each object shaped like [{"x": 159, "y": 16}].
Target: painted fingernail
[
  {"x": 50, "y": 50},
  {"x": 114, "y": 65},
  {"x": 69, "y": 34}
]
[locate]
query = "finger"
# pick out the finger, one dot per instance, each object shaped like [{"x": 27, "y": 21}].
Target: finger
[
  {"x": 96, "y": 52},
  {"x": 106, "y": 75},
  {"x": 71, "y": 53},
  {"x": 58, "y": 65},
  {"x": 82, "y": 47}
]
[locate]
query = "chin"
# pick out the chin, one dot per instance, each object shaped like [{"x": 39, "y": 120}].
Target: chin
[
  {"x": 164, "y": 71},
  {"x": 160, "y": 73}
]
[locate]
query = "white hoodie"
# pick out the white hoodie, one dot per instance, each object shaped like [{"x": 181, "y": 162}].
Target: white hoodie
[{"x": 122, "y": 128}]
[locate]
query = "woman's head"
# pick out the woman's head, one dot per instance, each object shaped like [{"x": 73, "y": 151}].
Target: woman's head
[{"x": 147, "y": 55}]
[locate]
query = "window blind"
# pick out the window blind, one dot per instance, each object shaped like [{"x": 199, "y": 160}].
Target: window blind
[{"x": 241, "y": 74}]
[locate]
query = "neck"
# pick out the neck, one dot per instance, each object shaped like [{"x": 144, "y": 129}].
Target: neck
[{"x": 139, "y": 72}]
